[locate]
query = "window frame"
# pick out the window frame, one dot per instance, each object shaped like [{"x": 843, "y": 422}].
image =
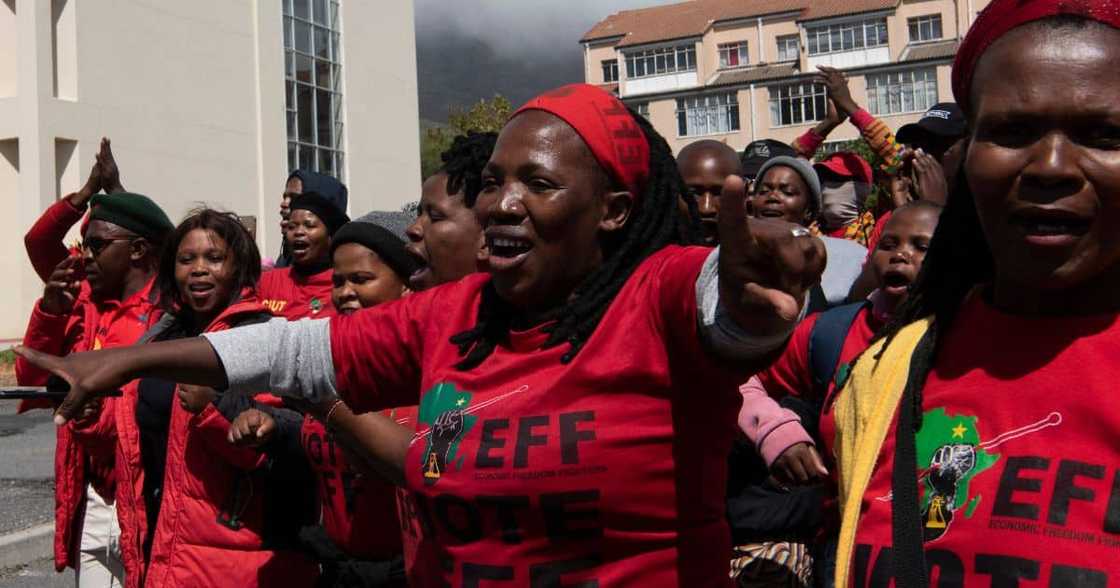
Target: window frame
[
  {"x": 933, "y": 20},
  {"x": 796, "y": 38},
  {"x": 808, "y": 94},
  {"x": 691, "y": 110},
  {"x": 869, "y": 33},
  {"x": 740, "y": 49},
  {"x": 661, "y": 61},
  {"x": 609, "y": 65},
  {"x": 893, "y": 91},
  {"x": 313, "y": 89}
]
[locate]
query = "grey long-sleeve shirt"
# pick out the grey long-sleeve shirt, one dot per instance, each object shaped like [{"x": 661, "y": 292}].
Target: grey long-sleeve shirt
[{"x": 294, "y": 358}]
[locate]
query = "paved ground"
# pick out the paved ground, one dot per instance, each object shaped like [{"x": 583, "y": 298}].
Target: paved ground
[
  {"x": 38, "y": 574},
  {"x": 26, "y": 467},
  {"x": 27, "y": 490}
]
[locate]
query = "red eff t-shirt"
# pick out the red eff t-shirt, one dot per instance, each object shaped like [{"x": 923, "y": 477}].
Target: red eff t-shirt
[
  {"x": 1018, "y": 457},
  {"x": 359, "y": 511},
  {"x": 293, "y": 296},
  {"x": 529, "y": 472},
  {"x": 790, "y": 374}
]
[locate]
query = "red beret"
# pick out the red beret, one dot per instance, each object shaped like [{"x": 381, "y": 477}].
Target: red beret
[
  {"x": 606, "y": 126},
  {"x": 1003, "y": 15}
]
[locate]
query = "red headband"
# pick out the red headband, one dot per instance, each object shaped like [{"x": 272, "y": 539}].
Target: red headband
[
  {"x": 607, "y": 128},
  {"x": 1003, "y": 15}
]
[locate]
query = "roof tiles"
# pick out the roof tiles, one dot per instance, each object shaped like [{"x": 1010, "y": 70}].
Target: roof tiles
[{"x": 692, "y": 18}]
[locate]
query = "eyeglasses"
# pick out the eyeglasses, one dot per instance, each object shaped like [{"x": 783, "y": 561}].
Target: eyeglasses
[{"x": 95, "y": 245}]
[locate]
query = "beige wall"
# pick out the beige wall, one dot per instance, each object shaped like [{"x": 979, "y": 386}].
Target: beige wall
[
  {"x": 740, "y": 31},
  {"x": 382, "y": 110},
  {"x": 774, "y": 28},
  {"x": 593, "y": 58},
  {"x": 192, "y": 95}
]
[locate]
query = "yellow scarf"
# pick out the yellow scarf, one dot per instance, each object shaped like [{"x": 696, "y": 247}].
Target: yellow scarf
[{"x": 864, "y": 409}]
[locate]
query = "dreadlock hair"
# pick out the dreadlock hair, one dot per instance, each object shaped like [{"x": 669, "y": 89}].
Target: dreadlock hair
[
  {"x": 464, "y": 161},
  {"x": 654, "y": 223},
  {"x": 958, "y": 260}
]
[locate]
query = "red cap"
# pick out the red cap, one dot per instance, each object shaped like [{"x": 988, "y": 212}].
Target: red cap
[
  {"x": 607, "y": 128},
  {"x": 1003, "y": 15},
  {"x": 847, "y": 164}
]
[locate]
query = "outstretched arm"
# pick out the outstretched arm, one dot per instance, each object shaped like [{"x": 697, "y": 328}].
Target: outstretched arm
[
  {"x": 286, "y": 358},
  {"x": 191, "y": 361}
]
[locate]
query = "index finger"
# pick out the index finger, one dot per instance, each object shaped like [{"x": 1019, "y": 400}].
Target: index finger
[
  {"x": 75, "y": 398},
  {"x": 734, "y": 233}
]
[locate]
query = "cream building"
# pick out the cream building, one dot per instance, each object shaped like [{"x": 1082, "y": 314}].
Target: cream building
[
  {"x": 738, "y": 71},
  {"x": 205, "y": 101}
]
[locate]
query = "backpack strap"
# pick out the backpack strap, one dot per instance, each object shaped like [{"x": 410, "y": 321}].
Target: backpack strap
[
  {"x": 818, "y": 302},
  {"x": 826, "y": 343}
]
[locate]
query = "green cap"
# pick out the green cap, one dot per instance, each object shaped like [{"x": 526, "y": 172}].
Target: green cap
[{"x": 134, "y": 212}]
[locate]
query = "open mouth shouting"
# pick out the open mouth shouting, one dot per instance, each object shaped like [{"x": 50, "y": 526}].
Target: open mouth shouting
[
  {"x": 507, "y": 247},
  {"x": 421, "y": 277},
  {"x": 897, "y": 282},
  {"x": 300, "y": 247}
]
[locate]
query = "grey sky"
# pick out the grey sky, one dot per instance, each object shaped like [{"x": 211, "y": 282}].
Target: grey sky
[
  {"x": 513, "y": 25},
  {"x": 468, "y": 50}
]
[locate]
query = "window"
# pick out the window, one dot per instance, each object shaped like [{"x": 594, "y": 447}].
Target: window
[
  {"x": 794, "y": 104},
  {"x": 789, "y": 48},
  {"x": 847, "y": 36},
  {"x": 610, "y": 70},
  {"x": 902, "y": 91},
  {"x": 830, "y": 147},
  {"x": 925, "y": 28},
  {"x": 643, "y": 109},
  {"x": 313, "y": 86},
  {"x": 656, "y": 62},
  {"x": 733, "y": 54},
  {"x": 707, "y": 115}
]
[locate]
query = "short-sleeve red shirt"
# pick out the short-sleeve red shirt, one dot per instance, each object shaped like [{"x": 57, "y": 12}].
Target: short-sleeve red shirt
[{"x": 528, "y": 471}]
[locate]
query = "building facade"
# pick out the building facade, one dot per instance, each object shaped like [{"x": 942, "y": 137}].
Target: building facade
[
  {"x": 738, "y": 71},
  {"x": 207, "y": 101}
]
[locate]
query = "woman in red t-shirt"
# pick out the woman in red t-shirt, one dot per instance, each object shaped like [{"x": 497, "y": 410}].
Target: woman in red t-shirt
[
  {"x": 360, "y": 536},
  {"x": 574, "y": 421},
  {"x": 977, "y": 442},
  {"x": 303, "y": 289}
]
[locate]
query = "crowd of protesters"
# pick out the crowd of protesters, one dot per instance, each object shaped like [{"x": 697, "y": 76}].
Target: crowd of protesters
[{"x": 588, "y": 362}]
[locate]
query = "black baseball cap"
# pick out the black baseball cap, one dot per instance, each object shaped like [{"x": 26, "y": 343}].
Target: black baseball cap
[
  {"x": 944, "y": 119},
  {"x": 759, "y": 152}
]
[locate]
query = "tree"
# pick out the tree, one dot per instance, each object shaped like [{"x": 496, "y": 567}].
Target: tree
[{"x": 483, "y": 116}]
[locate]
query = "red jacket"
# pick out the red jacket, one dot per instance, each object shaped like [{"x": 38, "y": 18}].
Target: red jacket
[
  {"x": 204, "y": 475},
  {"x": 43, "y": 240},
  {"x": 89, "y": 326}
]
